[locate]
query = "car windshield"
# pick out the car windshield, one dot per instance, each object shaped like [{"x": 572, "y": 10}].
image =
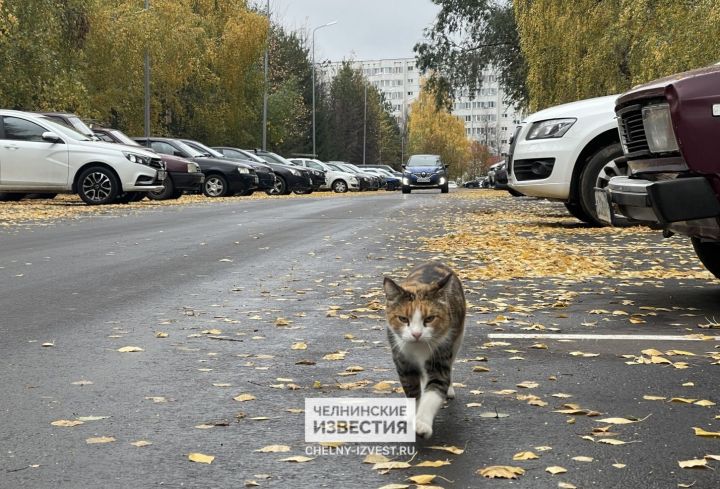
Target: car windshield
[
  {"x": 80, "y": 126},
  {"x": 334, "y": 167},
  {"x": 348, "y": 169},
  {"x": 65, "y": 131},
  {"x": 192, "y": 152},
  {"x": 430, "y": 161},
  {"x": 242, "y": 154},
  {"x": 204, "y": 149},
  {"x": 123, "y": 138}
]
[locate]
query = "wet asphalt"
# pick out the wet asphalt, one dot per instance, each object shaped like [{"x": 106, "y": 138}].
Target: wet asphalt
[{"x": 217, "y": 294}]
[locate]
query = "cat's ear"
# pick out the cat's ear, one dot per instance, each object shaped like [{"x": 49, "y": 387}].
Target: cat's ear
[
  {"x": 443, "y": 282},
  {"x": 393, "y": 292}
]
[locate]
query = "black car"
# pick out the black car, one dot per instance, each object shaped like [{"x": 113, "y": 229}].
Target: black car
[
  {"x": 472, "y": 184},
  {"x": 182, "y": 175},
  {"x": 287, "y": 179},
  {"x": 266, "y": 177},
  {"x": 425, "y": 171},
  {"x": 317, "y": 176},
  {"x": 223, "y": 178}
]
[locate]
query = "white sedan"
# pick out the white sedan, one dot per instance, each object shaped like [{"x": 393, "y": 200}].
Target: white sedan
[
  {"x": 336, "y": 179},
  {"x": 41, "y": 156}
]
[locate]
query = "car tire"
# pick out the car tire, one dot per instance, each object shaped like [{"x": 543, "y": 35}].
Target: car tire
[
  {"x": 98, "y": 185},
  {"x": 177, "y": 194},
  {"x": 444, "y": 189},
  {"x": 166, "y": 193},
  {"x": 709, "y": 254},
  {"x": 245, "y": 193},
  {"x": 279, "y": 188},
  {"x": 302, "y": 192},
  {"x": 340, "y": 186},
  {"x": 515, "y": 193},
  {"x": 10, "y": 197},
  {"x": 406, "y": 190},
  {"x": 215, "y": 185},
  {"x": 589, "y": 178},
  {"x": 577, "y": 212}
]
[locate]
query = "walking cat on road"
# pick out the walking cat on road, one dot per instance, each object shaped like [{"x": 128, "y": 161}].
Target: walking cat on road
[{"x": 426, "y": 318}]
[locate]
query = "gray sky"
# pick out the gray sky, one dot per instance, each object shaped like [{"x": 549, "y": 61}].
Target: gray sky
[{"x": 365, "y": 29}]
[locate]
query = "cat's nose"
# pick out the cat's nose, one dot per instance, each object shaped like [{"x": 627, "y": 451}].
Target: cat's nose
[{"x": 417, "y": 334}]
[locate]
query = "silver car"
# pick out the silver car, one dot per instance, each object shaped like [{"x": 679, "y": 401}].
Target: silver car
[{"x": 38, "y": 155}]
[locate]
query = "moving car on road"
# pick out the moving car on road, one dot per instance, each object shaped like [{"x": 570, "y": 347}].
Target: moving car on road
[
  {"x": 38, "y": 155},
  {"x": 669, "y": 131},
  {"x": 425, "y": 171},
  {"x": 223, "y": 178},
  {"x": 183, "y": 175},
  {"x": 561, "y": 153}
]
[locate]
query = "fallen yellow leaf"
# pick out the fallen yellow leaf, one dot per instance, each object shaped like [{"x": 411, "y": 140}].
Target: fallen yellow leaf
[
  {"x": 525, "y": 456},
  {"x": 707, "y": 434},
  {"x": 244, "y": 397},
  {"x": 130, "y": 349},
  {"x": 554, "y": 470},
  {"x": 66, "y": 423},
  {"x": 451, "y": 449},
  {"x": 273, "y": 449},
  {"x": 297, "y": 459},
  {"x": 100, "y": 439},
  {"x": 700, "y": 463},
  {"x": 500, "y": 472},
  {"x": 422, "y": 479},
  {"x": 201, "y": 458}
]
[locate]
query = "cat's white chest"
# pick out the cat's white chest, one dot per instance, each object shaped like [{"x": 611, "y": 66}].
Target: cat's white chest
[{"x": 417, "y": 353}]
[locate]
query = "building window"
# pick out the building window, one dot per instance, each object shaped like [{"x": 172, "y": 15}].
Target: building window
[{"x": 410, "y": 94}]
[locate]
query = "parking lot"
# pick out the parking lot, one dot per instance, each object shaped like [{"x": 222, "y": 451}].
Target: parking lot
[{"x": 201, "y": 327}]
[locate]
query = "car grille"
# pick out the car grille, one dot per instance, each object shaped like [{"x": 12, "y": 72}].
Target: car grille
[
  {"x": 632, "y": 130},
  {"x": 513, "y": 142},
  {"x": 157, "y": 163}
]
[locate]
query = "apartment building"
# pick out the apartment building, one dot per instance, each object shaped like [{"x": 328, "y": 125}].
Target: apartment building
[{"x": 487, "y": 117}]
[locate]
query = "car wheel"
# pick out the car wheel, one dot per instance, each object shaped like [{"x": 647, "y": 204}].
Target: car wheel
[
  {"x": 709, "y": 254},
  {"x": 577, "y": 212},
  {"x": 215, "y": 186},
  {"x": 589, "y": 178},
  {"x": 302, "y": 192},
  {"x": 6, "y": 197},
  {"x": 406, "y": 190},
  {"x": 515, "y": 193},
  {"x": 165, "y": 193},
  {"x": 245, "y": 193},
  {"x": 279, "y": 187},
  {"x": 98, "y": 186},
  {"x": 177, "y": 194},
  {"x": 444, "y": 189},
  {"x": 339, "y": 186}
]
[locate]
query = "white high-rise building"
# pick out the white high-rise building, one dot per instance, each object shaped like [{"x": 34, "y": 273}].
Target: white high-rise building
[{"x": 488, "y": 119}]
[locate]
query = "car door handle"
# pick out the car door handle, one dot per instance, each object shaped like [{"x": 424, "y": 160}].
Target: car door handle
[{"x": 12, "y": 148}]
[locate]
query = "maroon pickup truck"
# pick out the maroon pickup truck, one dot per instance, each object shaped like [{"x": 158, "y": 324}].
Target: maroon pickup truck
[{"x": 670, "y": 133}]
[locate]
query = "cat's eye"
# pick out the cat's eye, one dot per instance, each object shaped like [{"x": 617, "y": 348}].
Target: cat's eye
[
  {"x": 403, "y": 319},
  {"x": 430, "y": 319}
]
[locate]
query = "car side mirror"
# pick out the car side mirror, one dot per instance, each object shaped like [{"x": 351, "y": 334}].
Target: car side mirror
[
  {"x": 51, "y": 137},
  {"x": 177, "y": 153}
]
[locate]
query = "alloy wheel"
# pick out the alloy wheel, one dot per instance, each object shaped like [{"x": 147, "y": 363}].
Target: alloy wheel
[
  {"x": 214, "y": 187},
  {"x": 97, "y": 186}
]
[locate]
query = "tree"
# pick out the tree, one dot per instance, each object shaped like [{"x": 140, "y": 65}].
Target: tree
[
  {"x": 480, "y": 159},
  {"x": 589, "y": 48},
  {"x": 434, "y": 130},
  {"x": 467, "y": 37}
]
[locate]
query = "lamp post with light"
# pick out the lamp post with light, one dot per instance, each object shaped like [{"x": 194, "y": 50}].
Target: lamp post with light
[{"x": 313, "y": 82}]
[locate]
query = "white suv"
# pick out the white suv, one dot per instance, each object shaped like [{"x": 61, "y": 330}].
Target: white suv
[
  {"x": 564, "y": 152},
  {"x": 336, "y": 179},
  {"x": 40, "y": 156}
]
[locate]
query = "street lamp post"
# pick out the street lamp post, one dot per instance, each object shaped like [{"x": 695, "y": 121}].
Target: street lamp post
[
  {"x": 365, "y": 124},
  {"x": 313, "y": 81},
  {"x": 265, "y": 94},
  {"x": 147, "y": 83}
]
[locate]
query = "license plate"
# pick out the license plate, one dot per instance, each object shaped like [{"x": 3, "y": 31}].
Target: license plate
[
  {"x": 161, "y": 175},
  {"x": 423, "y": 180},
  {"x": 603, "y": 206}
]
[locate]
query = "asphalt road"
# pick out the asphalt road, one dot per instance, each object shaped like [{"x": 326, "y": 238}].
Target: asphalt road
[{"x": 214, "y": 279}]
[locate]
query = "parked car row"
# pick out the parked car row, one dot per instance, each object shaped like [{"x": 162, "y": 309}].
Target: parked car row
[
  {"x": 646, "y": 157},
  {"x": 44, "y": 154}
]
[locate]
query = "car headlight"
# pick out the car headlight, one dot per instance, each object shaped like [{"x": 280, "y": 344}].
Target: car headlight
[
  {"x": 658, "y": 128},
  {"x": 442, "y": 180},
  {"x": 553, "y": 128},
  {"x": 243, "y": 171},
  {"x": 294, "y": 172},
  {"x": 406, "y": 181},
  {"x": 352, "y": 179},
  {"x": 136, "y": 158},
  {"x": 193, "y": 168}
]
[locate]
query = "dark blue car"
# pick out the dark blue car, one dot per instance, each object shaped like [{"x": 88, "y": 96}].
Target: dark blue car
[{"x": 425, "y": 171}]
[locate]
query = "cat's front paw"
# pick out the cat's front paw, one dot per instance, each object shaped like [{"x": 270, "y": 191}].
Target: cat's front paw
[
  {"x": 450, "y": 393},
  {"x": 423, "y": 429}
]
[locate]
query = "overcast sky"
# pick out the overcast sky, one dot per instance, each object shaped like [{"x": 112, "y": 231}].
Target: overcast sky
[{"x": 365, "y": 29}]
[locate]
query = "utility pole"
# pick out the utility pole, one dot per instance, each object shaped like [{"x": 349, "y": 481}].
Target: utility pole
[
  {"x": 365, "y": 125},
  {"x": 265, "y": 95},
  {"x": 313, "y": 82},
  {"x": 147, "y": 83}
]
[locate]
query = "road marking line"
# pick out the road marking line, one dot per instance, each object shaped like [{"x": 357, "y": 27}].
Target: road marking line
[{"x": 621, "y": 337}]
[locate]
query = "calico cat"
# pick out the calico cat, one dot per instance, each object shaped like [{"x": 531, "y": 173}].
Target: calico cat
[{"x": 426, "y": 317}]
